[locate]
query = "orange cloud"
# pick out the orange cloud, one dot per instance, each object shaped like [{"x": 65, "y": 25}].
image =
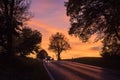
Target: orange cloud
[
  {"x": 50, "y": 17},
  {"x": 79, "y": 49}
]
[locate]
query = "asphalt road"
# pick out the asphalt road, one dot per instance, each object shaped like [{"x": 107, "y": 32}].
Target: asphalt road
[{"x": 66, "y": 70}]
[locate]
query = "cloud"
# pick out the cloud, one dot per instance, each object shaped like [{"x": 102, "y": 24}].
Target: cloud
[
  {"x": 38, "y": 24},
  {"x": 51, "y": 12},
  {"x": 79, "y": 49},
  {"x": 50, "y": 17},
  {"x": 96, "y": 48}
]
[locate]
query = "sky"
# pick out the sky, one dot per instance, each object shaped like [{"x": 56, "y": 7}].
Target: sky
[{"x": 49, "y": 18}]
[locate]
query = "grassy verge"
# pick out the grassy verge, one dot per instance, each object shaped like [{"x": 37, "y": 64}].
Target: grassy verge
[
  {"x": 98, "y": 61},
  {"x": 22, "y": 69}
]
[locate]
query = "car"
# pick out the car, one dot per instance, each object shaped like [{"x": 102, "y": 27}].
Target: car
[{"x": 48, "y": 59}]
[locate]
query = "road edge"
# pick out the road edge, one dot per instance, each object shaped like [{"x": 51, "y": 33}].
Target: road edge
[{"x": 50, "y": 75}]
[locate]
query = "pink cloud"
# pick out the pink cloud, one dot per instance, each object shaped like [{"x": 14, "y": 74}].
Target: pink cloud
[
  {"x": 79, "y": 49},
  {"x": 50, "y": 17}
]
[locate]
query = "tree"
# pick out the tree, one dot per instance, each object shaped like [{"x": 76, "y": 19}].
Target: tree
[
  {"x": 99, "y": 17},
  {"x": 111, "y": 50},
  {"x": 27, "y": 41},
  {"x": 42, "y": 54},
  {"x": 13, "y": 15},
  {"x": 58, "y": 43}
]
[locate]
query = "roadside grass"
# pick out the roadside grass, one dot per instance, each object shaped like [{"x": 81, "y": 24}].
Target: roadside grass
[
  {"x": 99, "y": 61},
  {"x": 21, "y": 68}
]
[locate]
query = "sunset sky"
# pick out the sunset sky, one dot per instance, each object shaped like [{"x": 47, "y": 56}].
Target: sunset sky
[{"x": 49, "y": 18}]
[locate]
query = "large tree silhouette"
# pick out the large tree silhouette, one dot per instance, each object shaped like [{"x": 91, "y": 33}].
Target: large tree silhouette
[
  {"x": 13, "y": 15},
  {"x": 101, "y": 17},
  {"x": 58, "y": 43},
  {"x": 28, "y": 41}
]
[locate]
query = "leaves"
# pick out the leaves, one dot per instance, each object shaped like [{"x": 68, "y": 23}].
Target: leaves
[
  {"x": 28, "y": 41},
  {"x": 58, "y": 43},
  {"x": 42, "y": 54},
  {"x": 100, "y": 17},
  {"x": 88, "y": 17},
  {"x": 13, "y": 15}
]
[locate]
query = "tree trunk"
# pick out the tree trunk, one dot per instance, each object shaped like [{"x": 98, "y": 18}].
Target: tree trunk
[
  {"x": 58, "y": 56},
  {"x": 9, "y": 25}
]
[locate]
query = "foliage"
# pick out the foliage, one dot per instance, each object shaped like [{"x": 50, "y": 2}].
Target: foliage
[
  {"x": 13, "y": 15},
  {"x": 28, "y": 40},
  {"x": 42, "y": 54},
  {"x": 58, "y": 43},
  {"x": 101, "y": 17},
  {"x": 111, "y": 50}
]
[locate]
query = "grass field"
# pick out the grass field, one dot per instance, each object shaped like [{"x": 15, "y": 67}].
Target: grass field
[
  {"x": 21, "y": 68},
  {"x": 99, "y": 61}
]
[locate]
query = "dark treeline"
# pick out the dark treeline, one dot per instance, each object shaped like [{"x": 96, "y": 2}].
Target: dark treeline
[
  {"x": 15, "y": 37},
  {"x": 87, "y": 17},
  {"x": 16, "y": 41},
  {"x": 100, "y": 17}
]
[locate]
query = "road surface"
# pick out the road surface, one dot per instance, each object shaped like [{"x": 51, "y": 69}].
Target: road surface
[{"x": 67, "y": 70}]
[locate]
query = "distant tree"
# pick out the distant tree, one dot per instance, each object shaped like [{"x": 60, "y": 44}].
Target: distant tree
[
  {"x": 13, "y": 15},
  {"x": 28, "y": 41},
  {"x": 42, "y": 54},
  {"x": 58, "y": 43},
  {"x": 101, "y": 17}
]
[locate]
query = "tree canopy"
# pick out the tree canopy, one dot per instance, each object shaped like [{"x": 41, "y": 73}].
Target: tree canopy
[
  {"x": 42, "y": 54},
  {"x": 28, "y": 40},
  {"x": 13, "y": 15},
  {"x": 58, "y": 43},
  {"x": 101, "y": 17}
]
